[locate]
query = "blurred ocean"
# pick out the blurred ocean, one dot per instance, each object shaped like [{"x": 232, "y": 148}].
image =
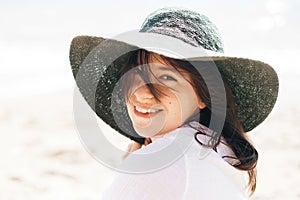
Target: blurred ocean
[{"x": 32, "y": 70}]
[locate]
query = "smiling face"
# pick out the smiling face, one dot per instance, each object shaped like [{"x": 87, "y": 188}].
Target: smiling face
[{"x": 152, "y": 117}]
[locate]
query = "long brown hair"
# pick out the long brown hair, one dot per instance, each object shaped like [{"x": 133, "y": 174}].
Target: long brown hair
[{"x": 232, "y": 131}]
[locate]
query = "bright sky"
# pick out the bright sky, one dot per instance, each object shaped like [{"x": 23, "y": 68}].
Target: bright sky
[{"x": 35, "y": 35}]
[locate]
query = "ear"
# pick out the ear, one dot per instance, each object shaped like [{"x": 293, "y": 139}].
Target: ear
[{"x": 201, "y": 104}]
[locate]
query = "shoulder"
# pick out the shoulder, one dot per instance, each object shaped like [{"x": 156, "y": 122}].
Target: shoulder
[
  {"x": 155, "y": 173},
  {"x": 211, "y": 177},
  {"x": 167, "y": 182}
]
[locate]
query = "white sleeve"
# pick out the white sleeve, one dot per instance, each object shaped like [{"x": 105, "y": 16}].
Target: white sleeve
[
  {"x": 168, "y": 183},
  {"x": 214, "y": 179}
]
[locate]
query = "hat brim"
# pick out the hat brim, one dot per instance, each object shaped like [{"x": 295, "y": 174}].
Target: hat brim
[{"x": 254, "y": 84}]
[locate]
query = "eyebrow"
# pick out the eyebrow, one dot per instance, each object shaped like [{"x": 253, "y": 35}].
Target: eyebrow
[{"x": 168, "y": 69}]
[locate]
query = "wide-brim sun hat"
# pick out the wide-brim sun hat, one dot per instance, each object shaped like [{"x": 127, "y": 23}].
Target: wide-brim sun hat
[{"x": 176, "y": 33}]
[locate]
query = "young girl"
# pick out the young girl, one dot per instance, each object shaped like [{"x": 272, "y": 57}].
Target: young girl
[{"x": 168, "y": 105}]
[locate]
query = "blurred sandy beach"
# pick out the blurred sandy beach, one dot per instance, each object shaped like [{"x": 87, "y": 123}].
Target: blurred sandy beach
[
  {"x": 42, "y": 156},
  {"x": 41, "y": 153}
]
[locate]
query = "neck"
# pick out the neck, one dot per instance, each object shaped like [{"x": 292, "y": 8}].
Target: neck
[
  {"x": 161, "y": 135},
  {"x": 157, "y": 137}
]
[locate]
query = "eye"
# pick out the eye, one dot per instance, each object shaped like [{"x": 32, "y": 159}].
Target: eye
[{"x": 167, "y": 78}]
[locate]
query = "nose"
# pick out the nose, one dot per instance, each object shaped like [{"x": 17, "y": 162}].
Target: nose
[{"x": 142, "y": 94}]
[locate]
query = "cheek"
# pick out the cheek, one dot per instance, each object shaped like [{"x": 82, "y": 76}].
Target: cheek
[
  {"x": 188, "y": 104},
  {"x": 129, "y": 109},
  {"x": 182, "y": 104},
  {"x": 175, "y": 110}
]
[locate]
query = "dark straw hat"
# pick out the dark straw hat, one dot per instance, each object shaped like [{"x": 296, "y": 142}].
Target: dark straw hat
[{"x": 96, "y": 62}]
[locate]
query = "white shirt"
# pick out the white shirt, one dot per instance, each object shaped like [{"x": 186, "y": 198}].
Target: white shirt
[{"x": 199, "y": 173}]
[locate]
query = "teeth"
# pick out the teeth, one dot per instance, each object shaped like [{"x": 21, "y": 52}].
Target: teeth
[{"x": 141, "y": 110}]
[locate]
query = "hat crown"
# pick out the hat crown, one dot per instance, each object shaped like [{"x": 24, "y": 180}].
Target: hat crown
[{"x": 188, "y": 26}]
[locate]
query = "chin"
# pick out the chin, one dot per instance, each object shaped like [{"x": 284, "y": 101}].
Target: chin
[
  {"x": 146, "y": 131},
  {"x": 149, "y": 131}
]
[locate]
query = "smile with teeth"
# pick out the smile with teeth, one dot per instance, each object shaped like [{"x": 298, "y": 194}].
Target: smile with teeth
[{"x": 144, "y": 111}]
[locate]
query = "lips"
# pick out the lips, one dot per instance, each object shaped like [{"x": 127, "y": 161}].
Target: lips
[
  {"x": 142, "y": 110},
  {"x": 145, "y": 112}
]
